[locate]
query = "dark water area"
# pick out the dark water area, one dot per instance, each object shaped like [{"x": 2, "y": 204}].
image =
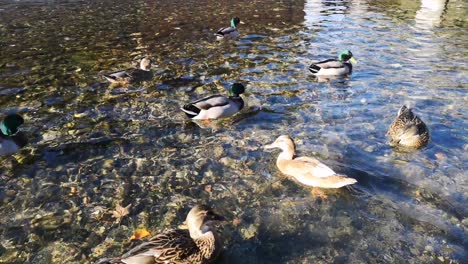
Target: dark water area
[{"x": 94, "y": 146}]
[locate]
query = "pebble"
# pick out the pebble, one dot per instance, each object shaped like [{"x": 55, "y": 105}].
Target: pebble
[{"x": 249, "y": 232}]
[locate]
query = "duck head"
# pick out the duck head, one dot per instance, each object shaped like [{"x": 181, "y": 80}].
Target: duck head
[
  {"x": 406, "y": 114},
  {"x": 346, "y": 55},
  {"x": 235, "y": 21},
  {"x": 145, "y": 64},
  {"x": 403, "y": 110},
  {"x": 236, "y": 89},
  {"x": 9, "y": 125},
  {"x": 200, "y": 220},
  {"x": 283, "y": 142}
]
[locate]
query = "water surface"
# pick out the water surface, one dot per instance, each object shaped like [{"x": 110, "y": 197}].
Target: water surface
[{"x": 94, "y": 146}]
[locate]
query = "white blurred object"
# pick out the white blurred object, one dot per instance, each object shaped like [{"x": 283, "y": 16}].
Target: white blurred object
[
  {"x": 430, "y": 13},
  {"x": 312, "y": 10}
]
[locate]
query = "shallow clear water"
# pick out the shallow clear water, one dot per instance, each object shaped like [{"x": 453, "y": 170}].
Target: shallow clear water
[{"x": 94, "y": 146}]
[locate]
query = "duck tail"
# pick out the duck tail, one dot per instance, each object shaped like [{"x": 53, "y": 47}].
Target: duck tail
[
  {"x": 314, "y": 68},
  {"x": 345, "y": 180},
  {"x": 190, "y": 110},
  {"x": 109, "y": 78}
]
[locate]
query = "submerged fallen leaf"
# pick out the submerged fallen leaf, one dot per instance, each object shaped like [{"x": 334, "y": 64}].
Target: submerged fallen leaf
[
  {"x": 98, "y": 212},
  {"x": 120, "y": 211},
  {"x": 440, "y": 156},
  {"x": 73, "y": 191},
  {"x": 140, "y": 233}
]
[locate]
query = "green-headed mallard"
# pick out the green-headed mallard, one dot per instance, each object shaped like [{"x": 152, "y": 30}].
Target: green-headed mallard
[
  {"x": 229, "y": 32},
  {"x": 216, "y": 106},
  {"x": 306, "y": 170},
  {"x": 199, "y": 244},
  {"x": 131, "y": 75},
  {"x": 334, "y": 67},
  {"x": 11, "y": 140},
  {"x": 408, "y": 130}
]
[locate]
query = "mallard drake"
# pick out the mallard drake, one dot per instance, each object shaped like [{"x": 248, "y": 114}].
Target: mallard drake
[
  {"x": 306, "y": 170},
  {"x": 216, "y": 106},
  {"x": 334, "y": 67},
  {"x": 132, "y": 74},
  {"x": 408, "y": 130},
  {"x": 11, "y": 140},
  {"x": 229, "y": 32},
  {"x": 199, "y": 244}
]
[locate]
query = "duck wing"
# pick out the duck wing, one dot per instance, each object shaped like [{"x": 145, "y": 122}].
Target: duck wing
[
  {"x": 171, "y": 246},
  {"x": 225, "y": 31},
  {"x": 122, "y": 73},
  {"x": 314, "y": 167},
  {"x": 118, "y": 75},
  {"x": 211, "y": 101},
  {"x": 312, "y": 172},
  {"x": 194, "y": 108},
  {"x": 329, "y": 64},
  {"x": 410, "y": 129}
]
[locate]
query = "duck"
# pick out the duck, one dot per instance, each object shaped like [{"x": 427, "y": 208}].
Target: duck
[
  {"x": 11, "y": 139},
  {"x": 128, "y": 76},
  {"x": 229, "y": 32},
  {"x": 408, "y": 130},
  {"x": 198, "y": 245},
  {"x": 306, "y": 170},
  {"x": 334, "y": 67},
  {"x": 216, "y": 106}
]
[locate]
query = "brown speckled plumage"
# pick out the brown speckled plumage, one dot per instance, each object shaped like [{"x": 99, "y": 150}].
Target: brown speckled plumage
[
  {"x": 198, "y": 245},
  {"x": 408, "y": 130}
]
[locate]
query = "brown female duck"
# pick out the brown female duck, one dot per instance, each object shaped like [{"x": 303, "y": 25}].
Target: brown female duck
[
  {"x": 198, "y": 245},
  {"x": 408, "y": 130}
]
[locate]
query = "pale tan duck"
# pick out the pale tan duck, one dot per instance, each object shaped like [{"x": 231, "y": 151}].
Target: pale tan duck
[
  {"x": 198, "y": 245},
  {"x": 306, "y": 170}
]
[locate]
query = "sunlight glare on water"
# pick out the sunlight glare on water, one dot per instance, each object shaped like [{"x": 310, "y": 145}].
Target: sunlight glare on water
[{"x": 94, "y": 146}]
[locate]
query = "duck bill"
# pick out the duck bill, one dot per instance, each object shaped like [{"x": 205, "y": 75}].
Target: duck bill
[
  {"x": 353, "y": 60},
  {"x": 269, "y": 146}
]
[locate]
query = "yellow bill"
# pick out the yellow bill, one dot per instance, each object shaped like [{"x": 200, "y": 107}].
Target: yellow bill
[{"x": 353, "y": 60}]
